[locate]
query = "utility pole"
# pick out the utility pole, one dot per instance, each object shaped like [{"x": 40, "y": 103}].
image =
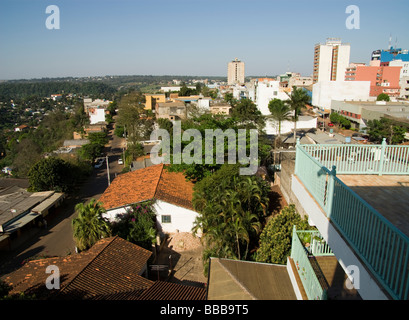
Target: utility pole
[{"x": 109, "y": 180}]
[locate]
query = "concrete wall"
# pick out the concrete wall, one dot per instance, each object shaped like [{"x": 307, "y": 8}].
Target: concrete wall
[
  {"x": 97, "y": 115},
  {"x": 181, "y": 218},
  {"x": 343, "y": 61},
  {"x": 367, "y": 287},
  {"x": 304, "y": 122},
  {"x": 266, "y": 91},
  {"x": 325, "y": 91}
]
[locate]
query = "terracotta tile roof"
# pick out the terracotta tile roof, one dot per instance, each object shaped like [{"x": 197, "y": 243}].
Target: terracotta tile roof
[
  {"x": 116, "y": 268},
  {"x": 132, "y": 187},
  {"x": 111, "y": 265},
  {"x": 153, "y": 182},
  {"x": 174, "y": 188}
]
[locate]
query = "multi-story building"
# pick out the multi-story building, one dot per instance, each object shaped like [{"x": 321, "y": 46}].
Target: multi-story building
[
  {"x": 153, "y": 99},
  {"x": 235, "y": 72},
  {"x": 386, "y": 56},
  {"x": 403, "y": 77},
  {"x": 330, "y": 60},
  {"x": 384, "y": 79}
]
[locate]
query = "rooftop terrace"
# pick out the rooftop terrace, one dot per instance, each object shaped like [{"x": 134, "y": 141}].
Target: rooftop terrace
[
  {"x": 389, "y": 195},
  {"x": 363, "y": 191}
]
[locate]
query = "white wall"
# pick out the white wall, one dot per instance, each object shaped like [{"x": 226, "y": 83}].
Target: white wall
[
  {"x": 343, "y": 61},
  {"x": 97, "y": 116},
  {"x": 204, "y": 103},
  {"x": 368, "y": 287},
  {"x": 325, "y": 91},
  {"x": 304, "y": 122},
  {"x": 267, "y": 91},
  {"x": 181, "y": 218},
  {"x": 325, "y": 61}
]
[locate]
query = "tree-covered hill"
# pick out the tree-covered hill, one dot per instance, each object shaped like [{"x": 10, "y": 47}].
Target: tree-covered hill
[{"x": 13, "y": 90}]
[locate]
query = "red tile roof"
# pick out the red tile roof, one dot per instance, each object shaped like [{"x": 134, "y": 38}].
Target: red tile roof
[
  {"x": 111, "y": 265},
  {"x": 153, "y": 182},
  {"x": 109, "y": 270}
]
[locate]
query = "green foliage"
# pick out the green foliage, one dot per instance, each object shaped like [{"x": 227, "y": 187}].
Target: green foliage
[
  {"x": 4, "y": 289},
  {"x": 119, "y": 131},
  {"x": 89, "y": 226},
  {"x": 90, "y": 151},
  {"x": 228, "y": 97},
  {"x": 246, "y": 112},
  {"x": 132, "y": 115},
  {"x": 280, "y": 111},
  {"x": 385, "y": 128},
  {"x": 298, "y": 99},
  {"x": 137, "y": 225},
  {"x": 200, "y": 170},
  {"x": 13, "y": 90},
  {"x": 53, "y": 174},
  {"x": 165, "y": 124},
  {"x": 383, "y": 97},
  {"x": 340, "y": 119},
  {"x": 186, "y": 92},
  {"x": 230, "y": 208},
  {"x": 275, "y": 240}
]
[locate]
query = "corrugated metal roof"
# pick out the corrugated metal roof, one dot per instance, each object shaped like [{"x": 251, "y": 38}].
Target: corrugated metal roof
[
  {"x": 244, "y": 280},
  {"x": 161, "y": 290},
  {"x": 46, "y": 204}
]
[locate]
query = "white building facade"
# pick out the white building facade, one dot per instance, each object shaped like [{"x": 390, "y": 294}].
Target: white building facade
[
  {"x": 331, "y": 60},
  {"x": 324, "y": 92},
  {"x": 170, "y": 218}
]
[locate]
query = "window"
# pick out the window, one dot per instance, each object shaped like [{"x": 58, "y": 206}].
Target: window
[{"x": 166, "y": 219}]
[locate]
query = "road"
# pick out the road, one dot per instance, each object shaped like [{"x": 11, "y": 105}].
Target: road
[{"x": 57, "y": 239}]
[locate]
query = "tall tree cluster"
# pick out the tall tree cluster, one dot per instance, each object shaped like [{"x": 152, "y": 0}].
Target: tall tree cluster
[{"x": 231, "y": 211}]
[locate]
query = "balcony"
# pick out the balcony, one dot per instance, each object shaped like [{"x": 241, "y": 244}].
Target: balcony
[
  {"x": 376, "y": 240},
  {"x": 318, "y": 270}
]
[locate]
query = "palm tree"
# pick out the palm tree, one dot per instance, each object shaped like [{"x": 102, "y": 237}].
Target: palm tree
[
  {"x": 89, "y": 226},
  {"x": 298, "y": 99},
  {"x": 280, "y": 111}
]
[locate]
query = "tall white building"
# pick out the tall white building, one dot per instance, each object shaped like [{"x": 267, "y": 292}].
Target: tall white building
[
  {"x": 331, "y": 60},
  {"x": 235, "y": 72}
]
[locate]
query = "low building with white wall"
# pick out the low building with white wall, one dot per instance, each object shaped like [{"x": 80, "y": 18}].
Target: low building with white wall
[
  {"x": 324, "y": 92},
  {"x": 170, "y": 192},
  {"x": 304, "y": 122}
]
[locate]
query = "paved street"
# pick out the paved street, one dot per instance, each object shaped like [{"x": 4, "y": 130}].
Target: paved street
[{"x": 57, "y": 239}]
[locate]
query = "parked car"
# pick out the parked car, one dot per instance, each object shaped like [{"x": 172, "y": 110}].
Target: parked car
[
  {"x": 120, "y": 161},
  {"x": 99, "y": 163},
  {"x": 330, "y": 124}
]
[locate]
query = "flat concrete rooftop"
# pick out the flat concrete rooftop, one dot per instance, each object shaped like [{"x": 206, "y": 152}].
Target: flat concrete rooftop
[{"x": 388, "y": 194}]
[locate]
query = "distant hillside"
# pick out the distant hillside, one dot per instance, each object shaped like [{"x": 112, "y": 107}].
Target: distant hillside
[{"x": 23, "y": 89}]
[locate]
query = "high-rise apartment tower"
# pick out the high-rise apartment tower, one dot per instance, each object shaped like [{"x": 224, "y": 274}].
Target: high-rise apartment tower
[
  {"x": 235, "y": 72},
  {"x": 330, "y": 60}
]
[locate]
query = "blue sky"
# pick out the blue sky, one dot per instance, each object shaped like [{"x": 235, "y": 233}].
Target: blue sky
[{"x": 187, "y": 37}]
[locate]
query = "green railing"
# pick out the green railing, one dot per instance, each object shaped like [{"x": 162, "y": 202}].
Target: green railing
[
  {"x": 308, "y": 277},
  {"x": 383, "y": 247},
  {"x": 316, "y": 243},
  {"x": 362, "y": 159}
]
